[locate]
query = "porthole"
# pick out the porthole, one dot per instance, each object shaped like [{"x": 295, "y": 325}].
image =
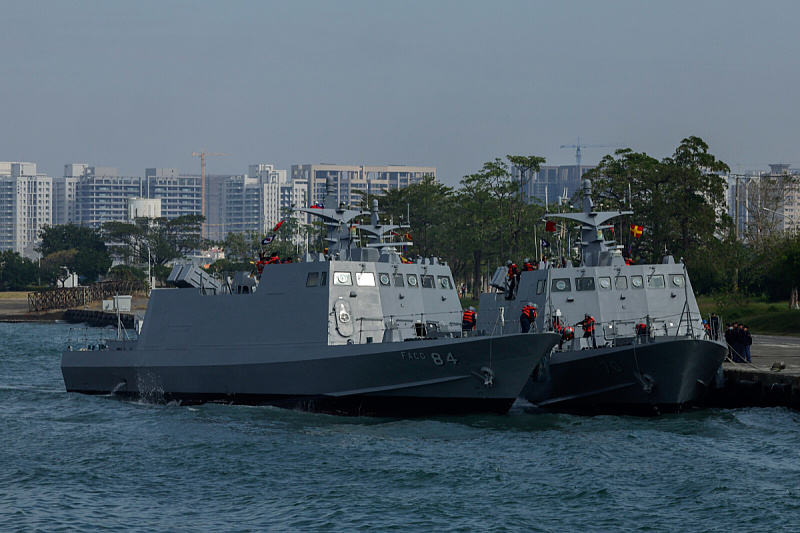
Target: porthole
[{"x": 384, "y": 279}]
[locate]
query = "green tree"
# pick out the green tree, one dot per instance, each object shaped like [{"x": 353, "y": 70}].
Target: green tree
[
  {"x": 16, "y": 272},
  {"x": 166, "y": 239},
  {"x": 90, "y": 259},
  {"x": 679, "y": 200}
]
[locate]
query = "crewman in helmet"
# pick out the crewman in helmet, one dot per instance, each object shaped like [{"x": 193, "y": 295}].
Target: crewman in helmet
[
  {"x": 527, "y": 266},
  {"x": 527, "y": 317},
  {"x": 469, "y": 319}
]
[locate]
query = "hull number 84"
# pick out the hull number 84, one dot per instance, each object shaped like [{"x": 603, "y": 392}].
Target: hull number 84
[{"x": 437, "y": 358}]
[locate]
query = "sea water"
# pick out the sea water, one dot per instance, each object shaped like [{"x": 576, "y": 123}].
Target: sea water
[{"x": 70, "y": 462}]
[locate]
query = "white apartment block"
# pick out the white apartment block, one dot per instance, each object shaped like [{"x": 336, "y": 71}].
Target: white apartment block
[
  {"x": 349, "y": 180},
  {"x": 253, "y": 202},
  {"x": 25, "y": 206},
  {"x": 743, "y": 199},
  {"x": 102, "y": 196},
  {"x": 180, "y": 195}
]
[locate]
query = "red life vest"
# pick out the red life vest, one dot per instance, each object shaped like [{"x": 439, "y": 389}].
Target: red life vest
[
  {"x": 469, "y": 317},
  {"x": 526, "y": 267},
  {"x": 273, "y": 260},
  {"x": 588, "y": 324},
  {"x": 529, "y": 312},
  {"x": 513, "y": 270}
]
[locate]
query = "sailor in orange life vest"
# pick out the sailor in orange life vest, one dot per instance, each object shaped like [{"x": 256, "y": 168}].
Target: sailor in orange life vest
[
  {"x": 260, "y": 263},
  {"x": 588, "y": 323},
  {"x": 567, "y": 332},
  {"x": 527, "y": 266},
  {"x": 513, "y": 277},
  {"x": 527, "y": 317},
  {"x": 469, "y": 319},
  {"x": 273, "y": 259}
]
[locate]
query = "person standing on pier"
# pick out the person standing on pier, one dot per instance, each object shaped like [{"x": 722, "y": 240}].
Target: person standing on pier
[
  {"x": 747, "y": 338},
  {"x": 714, "y": 323}
]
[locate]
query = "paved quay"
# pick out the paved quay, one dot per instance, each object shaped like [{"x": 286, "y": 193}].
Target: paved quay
[{"x": 771, "y": 380}]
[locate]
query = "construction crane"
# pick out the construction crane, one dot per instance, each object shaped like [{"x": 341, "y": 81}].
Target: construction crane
[
  {"x": 203, "y": 155},
  {"x": 578, "y": 147}
]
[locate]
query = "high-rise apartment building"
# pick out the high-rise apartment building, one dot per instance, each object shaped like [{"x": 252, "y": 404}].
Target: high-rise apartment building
[
  {"x": 350, "y": 180},
  {"x": 102, "y": 196},
  {"x": 552, "y": 182},
  {"x": 253, "y": 202},
  {"x": 25, "y": 206},
  {"x": 180, "y": 195},
  {"x": 764, "y": 201}
]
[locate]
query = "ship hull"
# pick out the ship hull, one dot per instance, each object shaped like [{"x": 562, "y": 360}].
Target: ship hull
[
  {"x": 415, "y": 378},
  {"x": 645, "y": 379}
]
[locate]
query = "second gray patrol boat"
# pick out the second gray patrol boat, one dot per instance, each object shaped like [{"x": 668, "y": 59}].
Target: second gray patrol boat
[
  {"x": 355, "y": 331},
  {"x": 649, "y": 352}
]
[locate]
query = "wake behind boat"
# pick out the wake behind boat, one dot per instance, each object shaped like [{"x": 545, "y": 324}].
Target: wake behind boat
[
  {"x": 352, "y": 331},
  {"x": 645, "y": 351}
]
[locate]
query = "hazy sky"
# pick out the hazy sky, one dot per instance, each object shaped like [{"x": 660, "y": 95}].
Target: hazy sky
[{"x": 446, "y": 84}]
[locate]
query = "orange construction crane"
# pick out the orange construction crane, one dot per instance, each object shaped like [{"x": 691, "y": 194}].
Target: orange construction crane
[{"x": 203, "y": 155}]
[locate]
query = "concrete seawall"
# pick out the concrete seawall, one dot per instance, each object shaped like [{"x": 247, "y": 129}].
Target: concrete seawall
[{"x": 771, "y": 380}]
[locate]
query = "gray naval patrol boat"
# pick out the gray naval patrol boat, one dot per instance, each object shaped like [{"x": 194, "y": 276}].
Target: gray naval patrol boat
[
  {"x": 649, "y": 352},
  {"x": 355, "y": 331}
]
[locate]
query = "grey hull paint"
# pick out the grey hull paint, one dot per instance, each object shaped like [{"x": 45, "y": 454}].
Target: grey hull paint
[
  {"x": 391, "y": 378},
  {"x": 664, "y": 376}
]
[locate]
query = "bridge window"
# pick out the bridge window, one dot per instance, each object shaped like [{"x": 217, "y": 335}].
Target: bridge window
[
  {"x": 323, "y": 279},
  {"x": 342, "y": 278},
  {"x": 621, "y": 283},
  {"x": 637, "y": 282},
  {"x": 584, "y": 284},
  {"x": 677, "y": 280},
  {"x": 365, "y": 279},
  {"x": 444, "y": 282},
  {"x": 605, "y": 283},
  {"x": 656, "y": 281},
  {"x": 398, "y": 280},
  {"x": 427, "y": 282},
  {"x": 561, "y": 285},
  {"x": 383, "y": 278},
  {"x": 412, "y": 280},
  {"x": 313, "y": 279},
  {"x": 540, "y": 286}
]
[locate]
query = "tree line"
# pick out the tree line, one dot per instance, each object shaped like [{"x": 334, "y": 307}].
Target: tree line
[{"x": 679, "y": 201}]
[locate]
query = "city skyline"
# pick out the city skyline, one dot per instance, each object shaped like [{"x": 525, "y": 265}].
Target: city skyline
[{"x": 450, "y": 84}]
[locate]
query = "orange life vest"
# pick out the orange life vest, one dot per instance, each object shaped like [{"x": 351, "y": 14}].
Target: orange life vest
[
  {"x": 469, "y": 317},
  {"x": 529, "y": 312},
  {"x": 588, "y": 324}
]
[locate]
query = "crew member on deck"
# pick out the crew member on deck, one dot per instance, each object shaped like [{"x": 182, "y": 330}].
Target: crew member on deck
[
  {"x": 273, "y": 259},
  {"x": 527, "y": 266},
  {"x": 588, "y": 323},
  {"x": 469, "y": 319},
  {"x": 527, "y": 317},
  {"x": 513, "y": 278}
]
